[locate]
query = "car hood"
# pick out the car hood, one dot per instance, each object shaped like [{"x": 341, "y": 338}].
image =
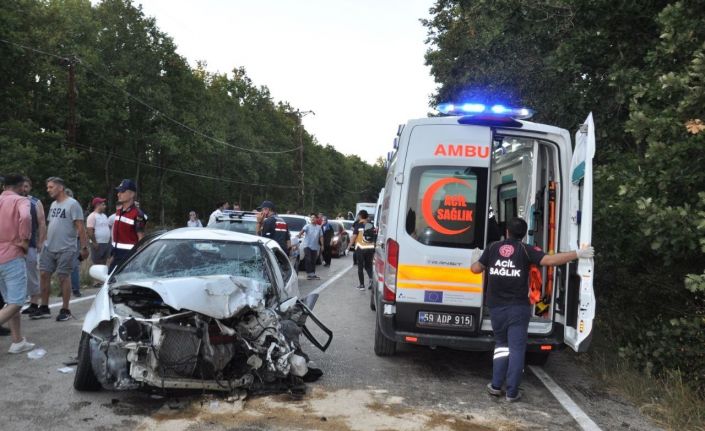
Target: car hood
[{"x": 217, "y": 296}]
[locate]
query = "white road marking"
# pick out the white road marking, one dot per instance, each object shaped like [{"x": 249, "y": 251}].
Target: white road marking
[
  {"x": 73, "y": 301},
  {"x": 323, "y": 286},
  {"x": 568, "y": 404}
]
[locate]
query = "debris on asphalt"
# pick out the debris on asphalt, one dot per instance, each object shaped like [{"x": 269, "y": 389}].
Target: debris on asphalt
[
  {"x": 37, "y": 353},
  {"x": 66, "y": 370}
]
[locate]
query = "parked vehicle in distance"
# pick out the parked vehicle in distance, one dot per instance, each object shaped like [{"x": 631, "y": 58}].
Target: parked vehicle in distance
[
  {"x": 341, "y": 240},
  {"x": 348, "y": 224},
  {"x": 370, "y": 207},
  {"x": 197, "y": 309},
  {"x": 295, "y": 222}
]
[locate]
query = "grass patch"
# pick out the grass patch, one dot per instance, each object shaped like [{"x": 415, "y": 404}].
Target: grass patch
[{"x": 668, "y": 400}]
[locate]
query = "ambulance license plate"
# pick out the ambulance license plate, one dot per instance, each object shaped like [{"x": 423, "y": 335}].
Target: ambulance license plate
[{"x": 445, "y": 320}]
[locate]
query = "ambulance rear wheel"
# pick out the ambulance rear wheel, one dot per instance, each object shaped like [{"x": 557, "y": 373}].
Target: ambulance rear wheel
[
  {"x": 536, "y": 358},
  {"x": 383, "y": 345}
]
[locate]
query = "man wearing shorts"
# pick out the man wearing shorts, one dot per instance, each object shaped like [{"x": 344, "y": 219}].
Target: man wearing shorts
[
  {"x": 59, "y": 255},
  {"x": 15, "y": 232}
]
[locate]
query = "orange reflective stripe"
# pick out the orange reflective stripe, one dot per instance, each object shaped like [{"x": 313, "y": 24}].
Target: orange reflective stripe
[{"x": 438, "y": 273}]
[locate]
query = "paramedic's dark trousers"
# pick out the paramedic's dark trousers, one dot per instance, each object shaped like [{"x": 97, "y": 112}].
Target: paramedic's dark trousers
[
  {"x": 510, "y": 324},
  {"x": 364, "y": 260}
]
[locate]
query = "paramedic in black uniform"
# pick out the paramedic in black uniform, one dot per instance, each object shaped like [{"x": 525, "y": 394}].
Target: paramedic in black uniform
[{"x": 507, "y": 265}]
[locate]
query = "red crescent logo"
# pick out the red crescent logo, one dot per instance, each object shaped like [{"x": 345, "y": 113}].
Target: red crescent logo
[{"x": 427, "y": 209}]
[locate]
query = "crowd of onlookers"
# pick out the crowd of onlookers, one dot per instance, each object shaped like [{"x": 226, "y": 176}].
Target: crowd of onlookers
[{"x": 36, "y": 245}]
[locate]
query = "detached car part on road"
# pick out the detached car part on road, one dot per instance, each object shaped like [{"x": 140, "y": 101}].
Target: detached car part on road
[{"x": 198, "y": 309}]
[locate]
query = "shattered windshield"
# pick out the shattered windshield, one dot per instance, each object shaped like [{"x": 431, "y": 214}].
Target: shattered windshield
[{"x": 172, "y": 258}]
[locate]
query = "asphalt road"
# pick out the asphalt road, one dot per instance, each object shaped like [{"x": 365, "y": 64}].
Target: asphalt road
[{"x": 418, "y": 389}]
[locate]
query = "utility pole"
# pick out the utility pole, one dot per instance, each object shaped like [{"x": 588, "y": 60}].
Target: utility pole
[
  {"x": 302, "y": 195},
  {"x": 70, "y": 63}
]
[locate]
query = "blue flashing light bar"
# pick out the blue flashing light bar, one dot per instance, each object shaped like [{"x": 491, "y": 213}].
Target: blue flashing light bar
[{"x": 479, "y": 108}]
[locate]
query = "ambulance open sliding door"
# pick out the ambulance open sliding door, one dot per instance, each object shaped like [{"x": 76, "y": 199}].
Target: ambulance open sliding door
[{"x": 580, "y": 301}]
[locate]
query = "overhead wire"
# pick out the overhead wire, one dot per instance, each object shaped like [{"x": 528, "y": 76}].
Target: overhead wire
[
  {"x": 92, "y": 70},
  {"x": 177, "y": 171}
]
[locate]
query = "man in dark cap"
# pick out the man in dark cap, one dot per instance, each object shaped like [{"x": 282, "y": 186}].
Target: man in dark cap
[
  {"x": 271, "y": 229},
  {"x": 130, "y": 220}
]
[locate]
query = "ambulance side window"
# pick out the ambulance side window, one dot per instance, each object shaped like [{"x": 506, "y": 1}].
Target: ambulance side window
[{"x": 447, "y": 206}]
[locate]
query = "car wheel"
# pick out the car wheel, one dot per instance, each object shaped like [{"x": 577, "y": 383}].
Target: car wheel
[
  {"x": 536, "y": 358},
  {"x": 383, "y": 345},
  {"x": 85, "y": 379}
]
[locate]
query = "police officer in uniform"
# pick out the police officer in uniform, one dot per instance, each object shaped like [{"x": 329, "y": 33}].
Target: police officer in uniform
[
  {"x": 130, "y": 220},
  {"x": 269, "y": 226},
  {"x": 507, "y": 269}
]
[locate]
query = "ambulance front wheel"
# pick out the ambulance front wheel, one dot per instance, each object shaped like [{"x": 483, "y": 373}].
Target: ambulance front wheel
[
  {"x": 536, "y": 358},
  {"x": 383, "y": 345}
]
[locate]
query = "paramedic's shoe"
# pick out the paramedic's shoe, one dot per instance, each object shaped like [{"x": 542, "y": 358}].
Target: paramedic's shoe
[
  {"x": 22, "y": 346},
  {"x": 64, "y": 315},
  {"x": 494, "y": 392},
  {"x": 369, "y": 285},
  {"x": 361, "y": 287},
  {"x": 513, "y": 399}
]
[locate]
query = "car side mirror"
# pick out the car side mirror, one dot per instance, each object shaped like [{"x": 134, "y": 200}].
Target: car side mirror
[
  {"x": 286, "y": 305},
  {"x": 99, "y": 272}
]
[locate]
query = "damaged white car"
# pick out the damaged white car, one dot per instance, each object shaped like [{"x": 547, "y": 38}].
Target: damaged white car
[{"x": 198, "y": 309}]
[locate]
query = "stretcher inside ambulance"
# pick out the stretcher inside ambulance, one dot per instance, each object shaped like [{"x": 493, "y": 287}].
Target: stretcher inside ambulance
[{"x": 452, "y": 184}]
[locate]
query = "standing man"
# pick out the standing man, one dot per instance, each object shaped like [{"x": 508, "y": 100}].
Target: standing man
[
  {"x": 220, "y": 207},
  {"x": 313, "y": 242},
  {"x": 128, "y": 229},
  {"x": 36, "y": 242},
  {"x": 269, "y": 226},
  {"x": 98, "y": 232},
  {"x": 59, "y": 253},
  {"x": 15, "y": 233},
  {"x": 508, "y": 300},
  {"x": 364, "y": 249},
  {"x": 327, "y": 238}
]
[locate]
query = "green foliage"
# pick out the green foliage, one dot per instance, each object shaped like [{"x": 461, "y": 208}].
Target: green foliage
[
  {"x": 673, "y": 344},
  {"x": 640, "y": 67},
  {"x": 188, "y": 137}
]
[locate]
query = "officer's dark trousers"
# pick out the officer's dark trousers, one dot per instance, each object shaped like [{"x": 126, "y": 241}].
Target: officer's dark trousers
[
  {"x": 510, "y": 324},
  {"x": 119, "y": 256},
  {"x": 327, "y": 254}
]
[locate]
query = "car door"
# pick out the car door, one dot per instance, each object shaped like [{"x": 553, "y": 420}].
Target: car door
[{"x": 578, "y": 328}]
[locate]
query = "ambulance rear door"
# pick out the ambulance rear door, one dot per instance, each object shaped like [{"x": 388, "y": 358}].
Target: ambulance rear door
[
  {"x": 442, "y": 217},
  {"x": 581, "y": 298}
]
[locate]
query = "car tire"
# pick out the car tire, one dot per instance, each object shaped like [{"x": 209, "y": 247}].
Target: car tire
[
  {"x": 85, "y": 379},
  {"x": 383, "y": 345},
  {"x": 536, "y": 358}
]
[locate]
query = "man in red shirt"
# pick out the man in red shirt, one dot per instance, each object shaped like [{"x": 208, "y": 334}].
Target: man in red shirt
[{"x": 128, "y": 229}]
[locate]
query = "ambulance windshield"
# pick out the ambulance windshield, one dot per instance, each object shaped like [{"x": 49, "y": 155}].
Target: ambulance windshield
[{"x": 447, "y": 206}]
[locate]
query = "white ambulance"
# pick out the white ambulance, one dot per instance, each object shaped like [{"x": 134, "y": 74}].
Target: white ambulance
[{"x": 452, "y": 183}]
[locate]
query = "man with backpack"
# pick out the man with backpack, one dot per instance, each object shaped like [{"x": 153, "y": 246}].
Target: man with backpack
[
  {"x": 364, "y": 237},
  {"x": 507, "y": 263}
]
